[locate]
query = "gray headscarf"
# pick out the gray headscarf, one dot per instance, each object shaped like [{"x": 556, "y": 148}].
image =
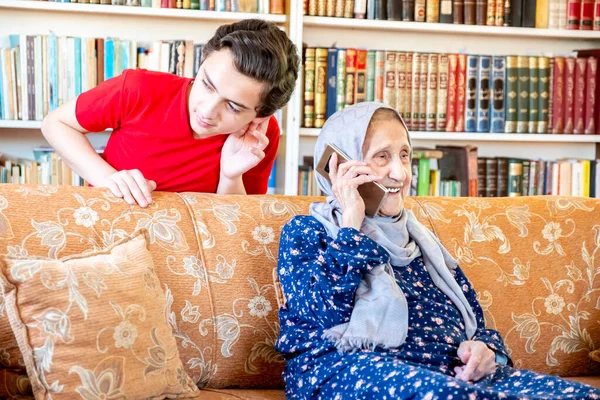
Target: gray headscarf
[{"x": 380, "y": 313}]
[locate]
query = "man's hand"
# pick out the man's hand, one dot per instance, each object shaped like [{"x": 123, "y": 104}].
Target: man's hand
[
  {"x": 131, "y": 186},
  {"x": 479, "y": 360},
  {"x": 244, "y": 149}
]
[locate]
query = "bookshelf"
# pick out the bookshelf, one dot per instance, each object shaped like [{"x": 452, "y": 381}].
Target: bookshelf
[{"x": 149, "y": 24}]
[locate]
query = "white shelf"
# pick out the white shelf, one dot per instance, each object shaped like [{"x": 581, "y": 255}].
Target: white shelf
[
  {"x": 486, "y": 137},
  {"x": 136, "y": 11},
  {"x": 503, "y": 32},
  {"x": 20, "y": 124}
]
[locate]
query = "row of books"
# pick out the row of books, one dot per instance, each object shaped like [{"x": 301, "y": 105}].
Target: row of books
[
  {"x": 458, "y": 171},
  {"x": 47, "y": 168},
  {"x": 40, "y": 73},
  {"x": 248, "y": 6},
  {"x": 542, "y": 14},
  {"x": 458, "y": 92}
]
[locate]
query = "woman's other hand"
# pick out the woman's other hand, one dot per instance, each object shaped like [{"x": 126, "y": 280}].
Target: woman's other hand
[
  {"x": 345, "y": 181},
  {"x": 478, "y": 359}
]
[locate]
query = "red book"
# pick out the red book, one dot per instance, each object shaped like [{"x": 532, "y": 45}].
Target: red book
[
  {"x": 587, "y": 15},
  {"x": 461, "y": 84},
  {"x": 597, "y": 15},
  {"x": 351, "y": 60},
  {"x": 591, "y": 72},
  {"x": 558, "y": 96},
  {"x": 569, "y": 93},
  {"x": 360, "y": 88},
  {"x": 451, "y": 98},
  {"x": 579, "y": 96},
  {"x": 573, "y": 14}
]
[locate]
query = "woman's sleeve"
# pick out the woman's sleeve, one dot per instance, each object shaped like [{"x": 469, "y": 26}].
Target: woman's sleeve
[
  {"x": 319, "y": 275},
  {"x": 490, "y": 337}
]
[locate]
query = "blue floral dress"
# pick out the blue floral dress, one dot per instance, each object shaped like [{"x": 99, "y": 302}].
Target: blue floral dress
[{"x": 319, "y": 276}]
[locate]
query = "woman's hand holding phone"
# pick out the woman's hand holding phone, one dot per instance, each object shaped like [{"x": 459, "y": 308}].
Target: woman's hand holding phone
[{"x": 345, "y": 180}]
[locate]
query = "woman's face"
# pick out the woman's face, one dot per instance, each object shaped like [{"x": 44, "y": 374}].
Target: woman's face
[{"x": 387, "y": 151}]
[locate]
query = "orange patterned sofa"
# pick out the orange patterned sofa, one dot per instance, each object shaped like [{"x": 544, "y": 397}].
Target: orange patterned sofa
[{"x": 535, "y": 262}]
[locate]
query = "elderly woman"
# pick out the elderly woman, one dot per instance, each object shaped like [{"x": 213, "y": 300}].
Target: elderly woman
[{"x": 376, "y": 308}]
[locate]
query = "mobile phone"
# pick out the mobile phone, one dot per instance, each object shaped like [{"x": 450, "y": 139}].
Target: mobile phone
[{"x": 372, "y": 193}]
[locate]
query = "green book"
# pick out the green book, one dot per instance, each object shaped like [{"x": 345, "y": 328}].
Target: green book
[
  {"x": 543, "y": 94},
  {"x": 512, "y": 77},
  {"x": 533, "y": 95},
  {"x": 523, "y": 98},
  {"x": 371, "y": 75},
  {"x": 423, "y": 180}
]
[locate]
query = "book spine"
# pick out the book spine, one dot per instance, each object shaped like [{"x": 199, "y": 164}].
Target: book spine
[
  {"x": 483, "y": 94},
  {"x": 587, "y": 15},
  {"x": 340, "y": 102},
  {"x": 562, "y": 14},
  {"x": 452, "y": 90},
  {"x": 558, "y": 96},
  {"x": 579, "y": 96},
  {"x": 542, "y": 14},
  {"x": 408, "y": 10},
  {"x": 423, "y": 69},
  {"x": 533, "y": 115},
  {"x": 309, "y": 87},
  {"x": 351, "y": 60},
  {"x": 498, "y": 73},
  {"x": 389, "y": 92},
  {"x": 550, "y": 95},
  {"x": 419, "y": 10},
  {"x": 432, "y": 88},
  {"x": 481, "y": 12},
  {"x": 401, "y": 98},
  {"x": 330, "y": 6},
  {"x": 516, "y": 13},
  {"x": 499, "y": 19},
  {"x": 416, "y": 86},
  {"x": 574, "y": 14},
  {"x": 433, "y": 11},
  {"x": 523, "y": 94},
  {"x": 379, "y": 75},
  {"x": 348, "y": 9},
  {"x": 339, "y": 8},
  {"x": 461, "y": 92},
  {"x": 360, "y": 9},
  {"x": 491, "y": 13},
  {"x": 590, "y": 95},
  {"x": 332, "y": 57},
  {"x": 569, "y": 93},
  {"x": 446, "y": 12},
  {"x": 371, "y": 75},
  {"x": 481, "y": 177},
  {"x": 320, "y": 86},
  {"x": 394, "y": 10},
  {"x": 360, "y": 94},
  {"x": 491, "y": 177},
  {"x": 458, "y": 12},
  {"x": 597, "y": 16},
  {"x": 470, "y": 10},
  {"x": 529, "y": 9},
  {"x": 442, "y": 94},
  {"x": 471, "y": 93},
  {"x": 543, "y": 94},
  {"x": 408, "y": 113},
  {"x": 512, "y": 94}
]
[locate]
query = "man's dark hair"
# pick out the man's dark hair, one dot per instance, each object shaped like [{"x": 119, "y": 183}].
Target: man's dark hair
[{"x": 263, "y": 52}]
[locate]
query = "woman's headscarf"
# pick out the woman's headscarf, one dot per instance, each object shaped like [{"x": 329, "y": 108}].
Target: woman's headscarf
[{"x": 380, "y": 313}]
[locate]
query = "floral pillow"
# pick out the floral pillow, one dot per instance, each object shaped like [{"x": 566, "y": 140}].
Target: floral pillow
[{"x": 95, "y": 325}]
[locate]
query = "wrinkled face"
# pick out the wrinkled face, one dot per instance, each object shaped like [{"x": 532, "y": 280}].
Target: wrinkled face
[
  {"x": 222, "y": 100},
  {"x": 387, "y": 151}
]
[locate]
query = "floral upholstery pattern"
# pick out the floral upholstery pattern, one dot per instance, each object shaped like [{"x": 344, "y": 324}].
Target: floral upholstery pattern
[{"x": 531, "y": 259}]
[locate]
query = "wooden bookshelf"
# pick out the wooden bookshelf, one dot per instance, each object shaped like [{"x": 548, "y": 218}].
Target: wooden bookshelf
[
  {"x": 41, "y": 6},
  {"x": 479, "y": 30},
  {"x": 486, "y": 137}
]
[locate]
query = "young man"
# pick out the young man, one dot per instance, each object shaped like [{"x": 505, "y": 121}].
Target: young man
[{"x": 212, "y": 134}]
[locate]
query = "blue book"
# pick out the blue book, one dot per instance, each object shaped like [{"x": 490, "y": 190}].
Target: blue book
[
  {"x": 484, "y": 75},
  {"x": 471, "y": 94},
  {"x": 52, "y": 72},
  {"x": 124, "y": 59},
  {"x": 220, "y": 5},
  {"x": 1, "y": 89},
  {"x": 332, "y": 56},
  {"x": 109, "y": 59},
  {"x": 497, "y": 103},
  {"x": 77, "y": 43},
  {"x": 272, "y": 184}
]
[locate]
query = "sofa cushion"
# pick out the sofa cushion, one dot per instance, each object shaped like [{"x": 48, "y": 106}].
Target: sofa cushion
[
  {"x": 534, "y": 262},
  {"x": 94, "y": 324},
  {"x": 236, "y": 394}
]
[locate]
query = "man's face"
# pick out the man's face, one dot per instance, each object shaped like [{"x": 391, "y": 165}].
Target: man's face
[{"x": 222, "y": 100}]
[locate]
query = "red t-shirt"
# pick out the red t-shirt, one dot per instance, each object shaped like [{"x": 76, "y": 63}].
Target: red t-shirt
[{"x": 149, "y": 116}]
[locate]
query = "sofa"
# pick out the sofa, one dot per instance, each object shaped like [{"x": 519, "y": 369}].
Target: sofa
[{"x": 534, "y": 261}]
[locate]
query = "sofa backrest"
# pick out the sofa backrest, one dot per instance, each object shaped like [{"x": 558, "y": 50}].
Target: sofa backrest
[{"x": 532, "y": 261}]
